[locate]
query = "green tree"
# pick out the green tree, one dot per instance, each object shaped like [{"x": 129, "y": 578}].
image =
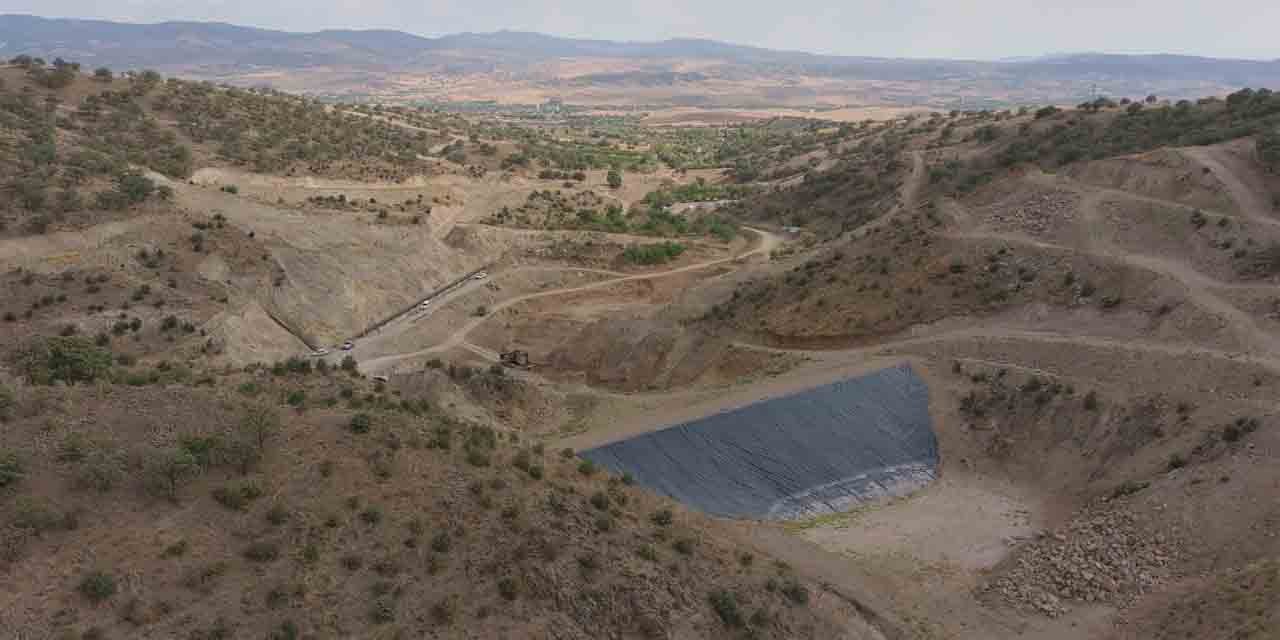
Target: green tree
[
  {"x": 168, "y": 471},
  {"x": 260, "y": 424},
  {"x": 614, "y": 178},
  {"x": 67, "y": 359},
  {"x": 134, "y": 186},
  {"x": 1269, "y": 149},
  {"x": 7, "y": 402},
  {"x": 30, "y": 194},
  {"x": 103, "y": 74}
]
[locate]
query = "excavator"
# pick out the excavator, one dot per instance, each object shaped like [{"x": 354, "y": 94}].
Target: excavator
[{"x": 516, "y": 359}]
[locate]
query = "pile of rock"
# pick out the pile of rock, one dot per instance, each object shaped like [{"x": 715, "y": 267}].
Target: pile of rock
[
  {"x": 1101, "y": 557},
  {"x": 1041, "y": 213}
]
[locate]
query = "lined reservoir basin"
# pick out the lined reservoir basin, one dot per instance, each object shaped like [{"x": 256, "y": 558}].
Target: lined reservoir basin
[{"x": 824, "y": 450}]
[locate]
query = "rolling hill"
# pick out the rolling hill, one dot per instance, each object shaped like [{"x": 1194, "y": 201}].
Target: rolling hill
[{"x": 393, "y": 65}]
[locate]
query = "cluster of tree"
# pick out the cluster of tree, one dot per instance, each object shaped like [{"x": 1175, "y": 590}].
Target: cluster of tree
[
  {"x": 275, "y": 133},
  {"x": 130, "y": 188},
  {"x": 578, "y": 156},
  {"x": 1084, "y": 136},
  {"x": 662, "y": 223},
  {"x": 62, "y": 359},
  {"x": 697, "y": 191},
  {"x": 55, "y": 75},
  {"x": 651, "y": 254},
  {"x": 54, "y": 154},
  {"x": 552, "y": 174},
  {"x": 850, "y": 193},
  {"x": 1269, "y": 149}
]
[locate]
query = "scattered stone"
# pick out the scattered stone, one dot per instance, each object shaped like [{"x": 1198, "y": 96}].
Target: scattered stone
[{"x": 1102, "y": 557}]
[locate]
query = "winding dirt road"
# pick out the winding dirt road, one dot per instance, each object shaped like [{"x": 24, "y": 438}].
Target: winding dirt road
[
  {"x": 767, "y": 243},
  {"x": 1197, "y": 286}
]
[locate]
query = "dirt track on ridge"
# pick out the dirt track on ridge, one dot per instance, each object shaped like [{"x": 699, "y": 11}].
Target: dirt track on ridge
[{"x": 767, "y": 242}]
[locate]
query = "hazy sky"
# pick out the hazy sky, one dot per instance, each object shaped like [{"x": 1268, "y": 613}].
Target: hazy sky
[{"x": 914, "y": 28}]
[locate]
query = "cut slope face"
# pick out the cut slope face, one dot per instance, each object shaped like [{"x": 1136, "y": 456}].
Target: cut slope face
[{"x": 818, "y": 451}]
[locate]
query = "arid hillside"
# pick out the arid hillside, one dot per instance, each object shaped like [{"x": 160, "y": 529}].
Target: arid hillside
[{"x": 274, "y": 368}]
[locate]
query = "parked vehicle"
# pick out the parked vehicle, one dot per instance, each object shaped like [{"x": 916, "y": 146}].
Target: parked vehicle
[
  {"x": 348, "y": 345},
  {"x": 480, "y": 276},
  {"x": 321, "y": 352}
]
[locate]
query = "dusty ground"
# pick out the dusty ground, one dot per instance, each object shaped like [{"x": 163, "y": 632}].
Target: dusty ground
[
  {"x": 1102, "y": 367},
  {"x": 1014, "y": 474}
]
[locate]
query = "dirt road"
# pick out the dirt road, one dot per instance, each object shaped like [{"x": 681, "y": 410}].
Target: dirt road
[
  {"x": 1196, "y": 286},
  {"x": 1234, "y": 177},
  {"x": 767, "y": 243},
  {"x": 909, "y": 199}
]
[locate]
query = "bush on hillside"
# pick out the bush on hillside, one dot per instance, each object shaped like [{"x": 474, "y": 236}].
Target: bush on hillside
[
  {"x": 1269, "y": 149},
  {"x": 651, "y": 254},
  {"x": 63, "y": 359}
]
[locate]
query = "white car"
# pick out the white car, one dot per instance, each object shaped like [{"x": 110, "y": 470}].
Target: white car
[
  {"x": 348, "y": 345},
  {"x": 480, "y": 276},
  {"x": 425, "y": 304},
  {"x": 320, "y": 352}
]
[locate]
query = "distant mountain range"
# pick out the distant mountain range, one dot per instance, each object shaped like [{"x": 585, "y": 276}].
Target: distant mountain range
[{"x": 361, "y": 62}]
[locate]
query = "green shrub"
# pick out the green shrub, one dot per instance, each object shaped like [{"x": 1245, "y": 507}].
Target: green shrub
[
  {"x": 11, "y": 470},
  {"x": 1045, "y": 112},
  {"x": 277, "y": 515},
  {"x": 441, "y": 542},
  {"x": 176, "y": 549},
  {"x": 662, "y": 518},
  {"x": 7, "y": 402},
  {"x": 101, "y": 471},
  {"x": 445, "y": 611},
  {"x": 600, "y": 500},
  {"x": 725, "y": 604},
  {"x": 1091, "y": 401},
  {"x": 653, "y": 254},
  {"x": 1269, "y": 149},
  {"x": 97, "y": 586},
  {"x": 37, "y": 517},
  {"x": 477, "y": 458},
  {"x": 797, "y": 593},
  {"x": 262, "y": 551},
  {"x": 648, "y": 552},
  {"x": 204, "y": 578},
  {"x": 509, "y": 588},
  {"x": 237, "y": 497},
  {"x": 63, "y": 359},
  {"x": 166, "y": 472},
  {"x": 371, "y": 515},
  {"x": 361, "y": 423}
]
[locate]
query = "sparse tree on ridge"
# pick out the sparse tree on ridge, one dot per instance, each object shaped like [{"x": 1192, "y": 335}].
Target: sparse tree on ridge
[{"x": 1269, "y": 150}]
